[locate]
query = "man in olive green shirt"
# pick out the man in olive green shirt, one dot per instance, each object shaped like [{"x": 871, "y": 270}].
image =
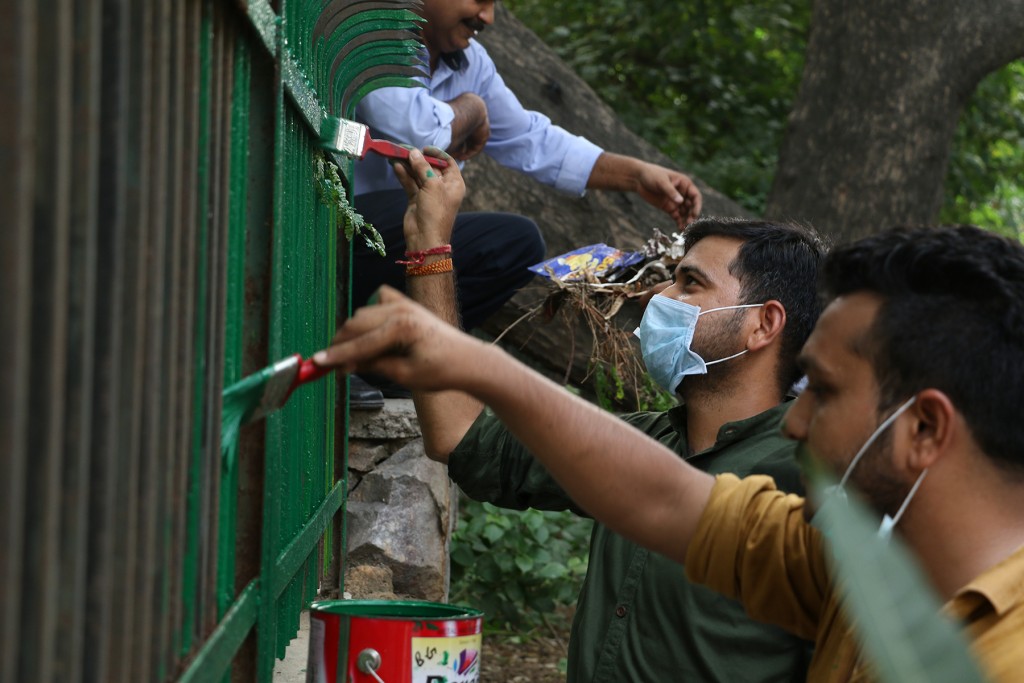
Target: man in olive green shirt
[
  {"x": 638, "y": 619},
  {"x": 914, "y": 369}
]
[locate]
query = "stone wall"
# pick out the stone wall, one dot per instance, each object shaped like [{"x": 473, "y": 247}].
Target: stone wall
[{"x": 401, "y": 509}]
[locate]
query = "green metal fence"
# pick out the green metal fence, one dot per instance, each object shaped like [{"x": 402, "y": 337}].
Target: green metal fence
[{"x": 163, "y": 236}]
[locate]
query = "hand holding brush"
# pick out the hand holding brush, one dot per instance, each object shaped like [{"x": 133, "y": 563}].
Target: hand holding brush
[{"x": 353, "y": 139}]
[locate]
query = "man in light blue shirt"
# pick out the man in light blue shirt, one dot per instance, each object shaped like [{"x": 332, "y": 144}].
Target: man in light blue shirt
[{"x": 465, "y": 109}]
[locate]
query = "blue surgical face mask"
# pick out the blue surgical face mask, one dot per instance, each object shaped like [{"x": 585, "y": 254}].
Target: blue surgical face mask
[
  {"x": 837, "y": 493},
  {"x": 666, "y": 332}
]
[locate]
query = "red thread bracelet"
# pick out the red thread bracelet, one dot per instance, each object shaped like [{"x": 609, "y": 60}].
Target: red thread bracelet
[{"x": 416, "y": 258}]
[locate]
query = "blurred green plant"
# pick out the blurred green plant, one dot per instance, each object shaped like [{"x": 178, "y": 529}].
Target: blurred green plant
[
  {"x": 518, "y": 567},
  {"x": 897, "y": 616},
  {"x": 610, "y": 389}
]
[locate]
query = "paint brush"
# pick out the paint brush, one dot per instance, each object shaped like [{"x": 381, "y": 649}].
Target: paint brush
[
  {"x": 253, "y": 397},
  {"x": 353, "y": 139}
]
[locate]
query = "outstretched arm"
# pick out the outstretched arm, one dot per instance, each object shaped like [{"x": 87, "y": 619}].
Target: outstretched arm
[
  {"x": 626, "y": 480},
  {"x": 671, "y": 191}
]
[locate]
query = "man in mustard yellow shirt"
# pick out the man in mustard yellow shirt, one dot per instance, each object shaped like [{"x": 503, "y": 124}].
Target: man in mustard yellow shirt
[{"x": 914, "y": 377}]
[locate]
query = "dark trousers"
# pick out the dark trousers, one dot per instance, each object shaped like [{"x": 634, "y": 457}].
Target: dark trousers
[{"x": 490, "y": 252}]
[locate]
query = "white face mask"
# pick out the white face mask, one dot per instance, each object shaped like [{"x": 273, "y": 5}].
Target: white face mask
[
  {"x": 837, "y": 493},
  {"x": 666, "y": 332}
]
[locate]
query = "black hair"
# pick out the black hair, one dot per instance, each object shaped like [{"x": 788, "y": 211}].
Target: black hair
[
  {"x": 777, "y": 261},
  {"x": 951, "y": 318}
]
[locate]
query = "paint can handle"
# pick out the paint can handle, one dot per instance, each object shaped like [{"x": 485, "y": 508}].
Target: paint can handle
[{"x": 368, "y": 662}]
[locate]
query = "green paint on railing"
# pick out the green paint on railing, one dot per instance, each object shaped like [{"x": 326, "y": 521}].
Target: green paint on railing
[
  {"x": 297, "y": 552},
  {"x": 303, "y": 95},
  {"x": 263, "y": 19},
  {"x": 190, "y": 561},
  {"x": 214, "y": 659},
  {"x": 266, "y": 632},
  {"x": 234, "y": 319},
  {"x": 300, "y": 497}
]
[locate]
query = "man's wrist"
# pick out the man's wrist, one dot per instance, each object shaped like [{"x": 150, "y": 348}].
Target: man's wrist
[{"x": 417, "y": 257}]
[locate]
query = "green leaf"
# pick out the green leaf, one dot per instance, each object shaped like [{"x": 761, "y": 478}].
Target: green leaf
[
  {"x": 552, "y": 570},
  {"x": 504, "y": 579},
  {"x": 493, "y": 532},
  {"x": 524, "y": 563},
  {"x": 463, "y": 555}
]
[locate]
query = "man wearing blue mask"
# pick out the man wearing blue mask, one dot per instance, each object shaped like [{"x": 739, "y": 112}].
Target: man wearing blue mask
[
  {"x": 755, "y": 281},
  {"x": 914, "y": 370}
]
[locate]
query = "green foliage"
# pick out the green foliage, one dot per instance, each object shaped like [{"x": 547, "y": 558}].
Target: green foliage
[
  {"x": 985, "y": 184},
  {"x": 610, "y": 389},
  {"x": 711, "y": 85},
  {"x": 332, "y": 193},
  {"x": 517, "y": 566},
  {"x": 609, "y": 386}
]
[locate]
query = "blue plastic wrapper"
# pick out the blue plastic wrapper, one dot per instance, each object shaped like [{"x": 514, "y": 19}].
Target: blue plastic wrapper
[{"x": 598, "y": 259}]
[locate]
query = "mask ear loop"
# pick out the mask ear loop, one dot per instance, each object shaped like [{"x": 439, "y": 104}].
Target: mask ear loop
[
  {"x": 867, "y": 444},
  {"x": 727, "y": 308},
  {"x": 906, "y": 501},
  {"x": 722, "y": 360}
]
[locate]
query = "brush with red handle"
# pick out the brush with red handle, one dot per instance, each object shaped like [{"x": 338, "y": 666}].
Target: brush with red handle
[
  {"x": 253, "y": 397},
  {"x": 353, "y": 139}
]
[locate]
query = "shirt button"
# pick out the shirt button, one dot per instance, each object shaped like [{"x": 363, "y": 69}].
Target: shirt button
[{"x": 621, "y": 611}]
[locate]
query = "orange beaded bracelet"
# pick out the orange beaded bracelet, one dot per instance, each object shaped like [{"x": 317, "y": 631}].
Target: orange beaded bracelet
[{"x": 442, "y": 266}]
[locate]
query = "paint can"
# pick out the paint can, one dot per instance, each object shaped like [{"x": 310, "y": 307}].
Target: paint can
[{"x": 401, "y": 641}]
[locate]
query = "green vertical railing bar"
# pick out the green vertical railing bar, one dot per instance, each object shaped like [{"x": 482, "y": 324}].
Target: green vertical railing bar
[
  {"x": 266, "y": 628},
  {"x": 190, "y": 567},
  {"x": 300, "y": 496},
  {"x": 301, "y": 93},
  {"x": 235, "y": 315}
]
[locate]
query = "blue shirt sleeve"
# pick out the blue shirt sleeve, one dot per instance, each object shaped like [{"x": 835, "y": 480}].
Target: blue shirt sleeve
[{"x": 520, "y": 139}]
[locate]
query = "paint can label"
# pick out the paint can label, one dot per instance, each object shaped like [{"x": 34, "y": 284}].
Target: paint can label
[{"x": 446, "y": 660}]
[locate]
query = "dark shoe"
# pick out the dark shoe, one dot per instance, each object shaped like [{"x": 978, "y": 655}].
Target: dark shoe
[
  {"x": 363, "y": 396},
  {"x": 387, "y": 388}
]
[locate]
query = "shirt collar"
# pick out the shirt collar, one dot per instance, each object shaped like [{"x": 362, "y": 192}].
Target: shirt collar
[
  {"x": 454, "y": 60},
  {"x": 1000, "y": 586},
  {"x": 449, "y": 64},
  {"x": 738, "y": 430}
]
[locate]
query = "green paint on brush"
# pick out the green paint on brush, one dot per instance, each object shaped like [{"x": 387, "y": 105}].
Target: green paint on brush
[{"x": 240, "y": 400}]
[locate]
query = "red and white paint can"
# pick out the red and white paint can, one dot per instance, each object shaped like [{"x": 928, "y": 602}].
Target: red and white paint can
[{"x": 403, "y": 641}]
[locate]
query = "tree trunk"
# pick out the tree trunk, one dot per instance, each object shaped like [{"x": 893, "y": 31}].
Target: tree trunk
[
  {"x": 884, "y": 85},
  {"x": 542, "y": 82}
]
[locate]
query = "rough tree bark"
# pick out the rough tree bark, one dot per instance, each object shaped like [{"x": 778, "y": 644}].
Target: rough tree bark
[
  {"x": 884, "y": 85},
  {"x": 544, "y": 83}
]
